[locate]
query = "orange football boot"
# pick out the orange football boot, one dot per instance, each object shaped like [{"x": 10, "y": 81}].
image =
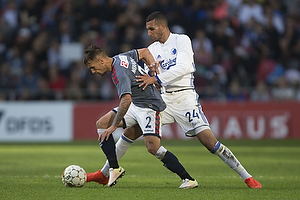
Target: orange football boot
[
  {"x": 98, "y": 177},
  {"x": 252, "y": 183}
]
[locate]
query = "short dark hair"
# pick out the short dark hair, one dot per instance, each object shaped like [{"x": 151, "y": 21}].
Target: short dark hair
[
  {"x": 91, "y": 52},
  {"x": 158, "y": 16}
]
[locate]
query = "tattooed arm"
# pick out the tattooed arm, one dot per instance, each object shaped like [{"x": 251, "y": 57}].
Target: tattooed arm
[{"x": 123, "y": 107}]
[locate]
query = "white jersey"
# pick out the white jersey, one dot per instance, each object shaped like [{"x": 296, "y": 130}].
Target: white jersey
[
  {"x": 176, "y": 76},
  {"x": 176, "y": 56}
]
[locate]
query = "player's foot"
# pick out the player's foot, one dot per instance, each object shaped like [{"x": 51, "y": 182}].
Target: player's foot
[
  {"x": 114, "y": 175},
  {"x": 98, "y": 177},
  {"x": 252, "y": 183},
  {"x": 186, "y": 183}
]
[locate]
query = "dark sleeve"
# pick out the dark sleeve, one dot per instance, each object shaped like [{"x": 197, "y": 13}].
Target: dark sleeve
[
  {"x": 123, "y": 84},
  {"x": 133, "y": 54}
]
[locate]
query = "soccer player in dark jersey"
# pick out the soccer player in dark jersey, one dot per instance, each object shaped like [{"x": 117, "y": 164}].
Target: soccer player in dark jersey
[{"x": 141, "y": 107}]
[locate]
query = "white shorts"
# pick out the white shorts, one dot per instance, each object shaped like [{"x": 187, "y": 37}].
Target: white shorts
[
  {"x": 183, "y": 107},
  {"x": 149, "y": 120}
]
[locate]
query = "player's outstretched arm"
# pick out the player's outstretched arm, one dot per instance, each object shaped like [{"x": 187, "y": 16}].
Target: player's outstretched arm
[{"x": 145, "y": 56}]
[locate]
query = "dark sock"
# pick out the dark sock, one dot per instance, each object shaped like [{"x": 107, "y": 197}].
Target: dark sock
[
  {"x": 172, "y": 163},
  {"x": 109, "y": 149}
]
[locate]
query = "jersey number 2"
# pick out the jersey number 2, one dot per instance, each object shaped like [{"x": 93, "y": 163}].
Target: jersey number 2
[{"x": 148, "y": 124}]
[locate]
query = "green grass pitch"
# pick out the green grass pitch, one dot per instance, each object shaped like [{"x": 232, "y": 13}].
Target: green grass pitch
[{"x": 33, "y": 171}]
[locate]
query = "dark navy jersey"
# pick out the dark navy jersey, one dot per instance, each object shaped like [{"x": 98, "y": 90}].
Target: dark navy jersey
[{"x": 124, "y": 70}]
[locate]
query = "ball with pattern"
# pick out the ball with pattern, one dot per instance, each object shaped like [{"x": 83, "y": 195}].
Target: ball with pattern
[{"x": 74, "y": 176}]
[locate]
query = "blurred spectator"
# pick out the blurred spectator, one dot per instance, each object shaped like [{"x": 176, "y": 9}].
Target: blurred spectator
[
  {"x": 266, "y": 65},
  {"x": 45, "y": 93},
  {"x": 29, "y": 79},
  {"x": 212, "y": 94},
  {"x": 30, "y": 14},
  {"x": 221, "y": 42},
  {"x": 23, "y": 40},
  {"x": 234, "y": 6},
  {"x": 3, "y": 48},
  {"x": 292, "y": 74},
  {"x": 57, "y": 82},
  {"x": 235, "y": 92},
  {"x": 74, "y": 92},
  {"x": 65, "y": 34},
  {"x": 260, "y": 92},
  {"x": 11, "y": 14},
  {"x": 7, "y": 81},
  {"x": 216, "y": 76},
  {"x": 26, "y": 94},
  {"x": 251, "y": 9},
  {"x": 281, "y": 90},
  {"x": 221, "y": 10},
  {"x": 14, "y": 59},
  {"x": 290, "y": 42},
  {"x": 28, "y": 83},
  {"x": 92, "y": 91},
  {"x": 53, "y": 54},
  {"x": 49, "y": 12},
  {"x": 203, "y": 49},
  {"x": 274, "y": 17},
  {"x": 3, "y": 96},
  {"x": 107, "y": 89}
]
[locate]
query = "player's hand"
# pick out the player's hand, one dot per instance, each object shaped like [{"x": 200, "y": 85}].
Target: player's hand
[
  {"x": 105, "y": 134},
  {"x": 146, "y": 80},
  {"x": 153, "y": 68}
]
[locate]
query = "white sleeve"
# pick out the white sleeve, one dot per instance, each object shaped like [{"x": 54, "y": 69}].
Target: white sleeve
[{"x": 184, "y": 62}]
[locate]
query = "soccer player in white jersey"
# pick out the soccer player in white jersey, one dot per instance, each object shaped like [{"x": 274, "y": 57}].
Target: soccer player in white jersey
[{"x": 175, "y": 75}]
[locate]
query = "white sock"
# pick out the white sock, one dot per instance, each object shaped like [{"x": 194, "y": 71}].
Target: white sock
[
  {"x": 227, "y": 156},
  {"x": 161, "y": 152},
  {"x": 121, "y": 147}
]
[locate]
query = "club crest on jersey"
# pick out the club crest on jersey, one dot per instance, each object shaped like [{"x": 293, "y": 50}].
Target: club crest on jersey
[
  {"x": 124, "y": 61},
  {"x": 173, "y": 51}
]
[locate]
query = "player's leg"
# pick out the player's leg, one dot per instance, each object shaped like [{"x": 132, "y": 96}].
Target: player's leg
[
  {"x": 127, "y": 138},
  {"x": 130, "y": 134},
  {"x": 106, "y": 120},
  {"x": 192, "y": 120},
  {"x": 152, "y": 142},
  {"x": 207, "y": 138},
  {"x": 108, "y": 147},
  {"x": 103, "y": 123},
  {"x": 170, "y": 161}
]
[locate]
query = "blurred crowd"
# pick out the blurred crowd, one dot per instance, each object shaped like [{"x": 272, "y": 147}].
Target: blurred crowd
[{"x": 245, "y": 50}]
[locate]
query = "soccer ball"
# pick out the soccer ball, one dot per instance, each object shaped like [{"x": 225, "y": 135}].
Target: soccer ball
[{"x": 74, "y": 176}]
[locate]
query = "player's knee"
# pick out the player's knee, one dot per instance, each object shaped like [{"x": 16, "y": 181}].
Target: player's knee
[
  {"x": 102, "y": 123},
  {"x": 207, "y": 138},
  {"x": 152, "y": 143},
  {"x": 131, "y": 133},
  {"x": 106, "y": 120},
  {"x": 151, "y": 149}
]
